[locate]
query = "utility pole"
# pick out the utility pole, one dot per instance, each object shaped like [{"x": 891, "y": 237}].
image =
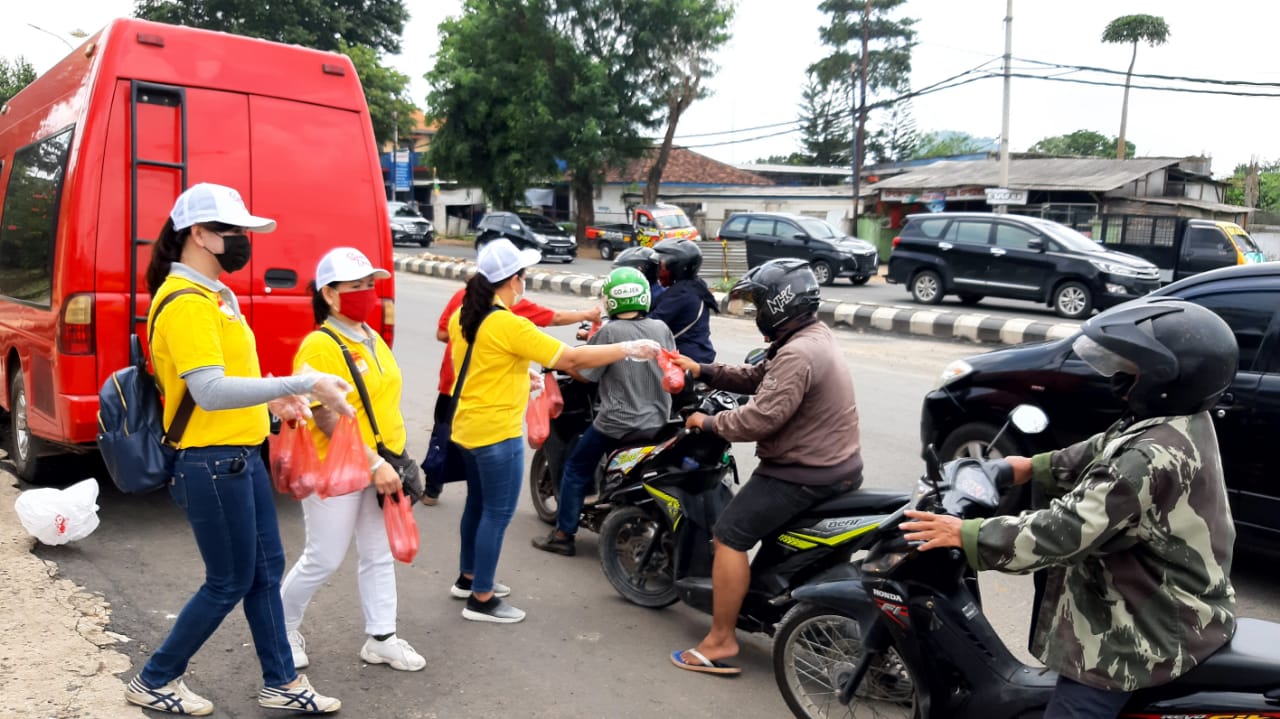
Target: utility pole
[
  {"x": 395, "y": 151},
  {"x": 862, "y": 115},
  {"x": 1004, "y": 126}
]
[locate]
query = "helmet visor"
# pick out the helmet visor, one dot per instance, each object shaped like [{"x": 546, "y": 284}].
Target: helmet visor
[{"x": 1102, "y": 360}]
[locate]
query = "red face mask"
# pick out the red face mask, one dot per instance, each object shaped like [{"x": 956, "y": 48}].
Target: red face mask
[
  {"x": 664, "y": 276},
  {"x": 357, "y": 304}
]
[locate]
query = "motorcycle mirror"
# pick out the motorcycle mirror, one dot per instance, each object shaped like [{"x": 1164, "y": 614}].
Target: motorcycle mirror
[
  {"x": 756, "y": 356},
  {"x": 1029, "y": 419}
]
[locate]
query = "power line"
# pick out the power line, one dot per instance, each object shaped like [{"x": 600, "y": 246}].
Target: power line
[
  {"x": 1151, "y": 76},
  {"x": 741, "y": 129},
  {"x": 1164, "y": 88}
]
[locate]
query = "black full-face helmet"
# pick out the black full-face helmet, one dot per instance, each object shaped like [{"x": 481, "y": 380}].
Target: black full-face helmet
[
  {"x": 1165, "y": 357},
  {"x": 644, "y": 259},
  {"x": 782, "y": 291},
  {"x": 680, "y": 257}
]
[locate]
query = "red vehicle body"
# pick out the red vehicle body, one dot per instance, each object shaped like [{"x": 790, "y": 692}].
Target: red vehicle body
[{"x": 92, "y": 156}]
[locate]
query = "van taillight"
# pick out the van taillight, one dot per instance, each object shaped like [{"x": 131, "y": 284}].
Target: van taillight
[
  {"x": 896, "y": 240},
  {"x": 389, "y": 321},
  {"x": 75, "y": 326}
]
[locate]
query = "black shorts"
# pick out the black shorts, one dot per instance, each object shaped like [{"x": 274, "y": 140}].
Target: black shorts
[{"x": 764, "y": 505}]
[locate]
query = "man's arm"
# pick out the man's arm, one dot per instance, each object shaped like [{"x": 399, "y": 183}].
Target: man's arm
[
  {"x": 777, "y": 399},
  {"x": 1058, "y": 472},
  {"x": 743, "y": 379}
]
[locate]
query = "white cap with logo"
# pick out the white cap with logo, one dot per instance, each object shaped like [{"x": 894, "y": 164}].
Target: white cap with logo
[
  {"x": 206, "y": 202},
  {"x": 499, "y": 259},
  {"x": 344, "y": 264}
]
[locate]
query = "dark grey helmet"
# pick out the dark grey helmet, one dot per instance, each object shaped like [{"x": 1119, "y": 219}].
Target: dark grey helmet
[
  {"x": 782, "y": 290},
  {"x": 644, "y": 259},
  {"x": 681, "y": 257}
]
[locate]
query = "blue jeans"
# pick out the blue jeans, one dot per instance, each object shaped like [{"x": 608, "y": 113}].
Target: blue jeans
[
  {"x": 493, "y": 487},
  {"x": 579, "y": 470},
  {"x": 226, "y": 495},
  {"x": 1073, "y": 700}
]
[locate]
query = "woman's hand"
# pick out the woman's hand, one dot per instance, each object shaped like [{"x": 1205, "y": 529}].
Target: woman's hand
[
  {"x": 385, "y": 479},
  {"x": 331, "y": 391},
  {"x": 290, "y": 408},
  {"x": 689, "y": 365},
  {"x": 935, "y": 530},
  {"x": 536, "y": 382},
  {"x": 640, "y": 350},
  {"x": 591, "y": 314}
]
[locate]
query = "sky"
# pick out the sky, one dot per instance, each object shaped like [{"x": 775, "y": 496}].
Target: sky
[{"x": 762, "y": 70}]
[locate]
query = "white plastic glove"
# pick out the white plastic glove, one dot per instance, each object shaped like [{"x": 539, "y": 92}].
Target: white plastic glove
[
  {"x": 331, "y": 391},
  {"x": 640, "y": 350},
  {"x": 536, "y": 383}
]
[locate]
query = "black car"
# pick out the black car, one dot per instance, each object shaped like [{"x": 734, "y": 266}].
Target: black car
[
  {"x": 962, "y": 415},
  {"x": 976, "y": 255},
  {"x": 408, "y": 225},
  {"x": 771, "y": 235},
  {"x": 528, "y": 231}
]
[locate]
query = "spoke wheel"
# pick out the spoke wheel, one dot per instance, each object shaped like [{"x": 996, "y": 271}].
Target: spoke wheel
[
  {"x": 541, "y": 490},
  {"x": 635, "y": 554}
]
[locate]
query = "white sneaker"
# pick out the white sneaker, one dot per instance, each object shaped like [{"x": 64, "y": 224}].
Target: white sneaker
[
  {"x": 172, "y": 698},
  {"x": 299, "y": 646},
  {"x": 394, "y": 651},
  {"x": 300, "y": 698}
]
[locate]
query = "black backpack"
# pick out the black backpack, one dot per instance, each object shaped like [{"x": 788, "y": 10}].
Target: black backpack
[{"x": 138, "y": 453}]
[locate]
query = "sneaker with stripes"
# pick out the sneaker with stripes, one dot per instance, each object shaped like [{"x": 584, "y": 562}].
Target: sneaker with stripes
[
  {"x": 172, "y": 698},
  {"x": 299, "y": 698}
]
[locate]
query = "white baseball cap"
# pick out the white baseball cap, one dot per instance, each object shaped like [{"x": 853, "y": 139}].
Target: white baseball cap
[
  {"x": 344, "y": 264},
  {"x": 206, "y": 202},
  {"x": 499, "y": 259}
]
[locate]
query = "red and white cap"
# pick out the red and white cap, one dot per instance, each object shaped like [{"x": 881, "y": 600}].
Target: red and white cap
[
  {"x": 345, "y": 264},
  {"x": 206, "y": 202}
]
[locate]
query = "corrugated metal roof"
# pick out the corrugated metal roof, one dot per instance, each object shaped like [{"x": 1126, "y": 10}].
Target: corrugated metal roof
[
  {"x": 1070, "y": 174},
  {"x": 1189, "y": 202}
]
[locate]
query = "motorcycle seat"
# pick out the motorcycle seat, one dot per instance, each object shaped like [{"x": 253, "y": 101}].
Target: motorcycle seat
[
  {"x": 1249, "y": 662},
  {"x": 859, "y": 501}
]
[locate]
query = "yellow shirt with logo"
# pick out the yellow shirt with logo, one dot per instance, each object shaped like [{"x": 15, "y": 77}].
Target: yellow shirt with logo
[
  {"x": 382, "y": 379},
  {"x": 496, "y": 390},
  {"x": 197, "y": 331}
]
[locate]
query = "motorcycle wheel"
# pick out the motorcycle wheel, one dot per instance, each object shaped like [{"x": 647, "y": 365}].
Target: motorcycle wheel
[
  {"x": 816, "y": 649},
  {"x": 541, "y": 492},
  {"x": 624, "y": 536}
]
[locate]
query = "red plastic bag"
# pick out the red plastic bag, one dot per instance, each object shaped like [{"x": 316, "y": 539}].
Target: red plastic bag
[
  {"x": 295, "y": 463},
  {"x": 555, "y": 400},
  {"x": 402, "y": 528},
  {"x": 538, "y": 417},
  {"x": 595, "y": 327},
  {"x": 672, "y": 372},
  {"x": 346, "y": 466}
]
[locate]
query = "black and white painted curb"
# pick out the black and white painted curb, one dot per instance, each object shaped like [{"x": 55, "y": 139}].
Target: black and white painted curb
[{"x": 939, "y": 324}]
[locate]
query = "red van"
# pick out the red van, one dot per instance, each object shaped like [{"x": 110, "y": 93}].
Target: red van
[{"x": 92, "y": 156}]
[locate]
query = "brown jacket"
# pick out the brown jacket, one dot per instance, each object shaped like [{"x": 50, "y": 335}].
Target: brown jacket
[{"x": 803, "y": 417}]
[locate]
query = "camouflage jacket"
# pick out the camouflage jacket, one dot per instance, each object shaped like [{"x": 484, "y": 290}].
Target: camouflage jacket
[{"x": 1137, "y": 539}]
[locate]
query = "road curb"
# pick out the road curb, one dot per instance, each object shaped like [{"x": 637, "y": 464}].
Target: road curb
[{"x": 859, "y": 316}]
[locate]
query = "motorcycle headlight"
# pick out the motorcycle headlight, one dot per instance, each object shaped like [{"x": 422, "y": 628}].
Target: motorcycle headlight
[{"x": 955, "y": 370}]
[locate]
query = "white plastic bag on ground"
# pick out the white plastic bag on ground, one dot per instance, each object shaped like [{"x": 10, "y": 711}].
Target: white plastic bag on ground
[{"x": 58, "y": 516}]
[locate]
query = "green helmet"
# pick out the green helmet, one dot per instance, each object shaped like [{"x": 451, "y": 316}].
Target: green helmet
[{"x": 626, "y": 290}]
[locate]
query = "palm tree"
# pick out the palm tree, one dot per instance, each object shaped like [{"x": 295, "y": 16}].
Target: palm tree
[{"x": 1133, "y": 29}]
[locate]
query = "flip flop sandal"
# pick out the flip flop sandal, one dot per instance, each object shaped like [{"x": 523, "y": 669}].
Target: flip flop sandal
[{"x": 706, "y": 667}]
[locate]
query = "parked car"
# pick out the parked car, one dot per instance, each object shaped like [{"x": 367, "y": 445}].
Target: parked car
[
  {"x": 528, "y": 230},
  {"x": 977, "y": 255},
  {"x": 962, "y": 415},
  {"x": 1179, "y": 246},
  {"x": 771, "y": 235},
  {"x": 408, "y": 225},
  {"x": 649, "y": 225}
]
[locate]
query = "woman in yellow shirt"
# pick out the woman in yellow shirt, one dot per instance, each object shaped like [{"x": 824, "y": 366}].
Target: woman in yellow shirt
[
  {"x": 488, "y": 421},
  {"x": 202, "y": 344},
  {"x": 343, "y": 297}
]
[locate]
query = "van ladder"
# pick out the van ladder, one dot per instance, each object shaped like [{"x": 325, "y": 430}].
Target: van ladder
[{"x": 149, "y": 93}]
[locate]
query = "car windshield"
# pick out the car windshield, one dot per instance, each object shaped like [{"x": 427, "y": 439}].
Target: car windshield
[
  {"x": 1070, "y": 238},
  {"x": 400, "y": 209},
  {"x": 1244, "y": 241},
  {"x": 538, "y": 223},
  {"x": 672, "y": 220},
  {"x": 817, "y": 228}
]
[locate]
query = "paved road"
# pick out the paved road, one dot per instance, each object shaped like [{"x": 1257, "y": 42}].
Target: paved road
[{"x": 583, "y": 652}]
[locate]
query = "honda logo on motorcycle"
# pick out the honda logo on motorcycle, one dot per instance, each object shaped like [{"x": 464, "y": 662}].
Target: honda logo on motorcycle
[{"x": 887, "y": 595}]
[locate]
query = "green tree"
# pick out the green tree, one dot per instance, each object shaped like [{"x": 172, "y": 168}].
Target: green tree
[
  {"x": 1081, "y": 143},
  {"x": 897, "y": 138},
  {"x": 795, "y": 158},
  {"x": 826, "y": 123},
  {"x": 947, "y": 143},
  {"x": 1131, "y": 30},
  {"x": 361, "y": 29},
  {"x": 14, "y": 75},
  {"x": 889, "y": 50},
  {"x": 1268, "y": 187}
]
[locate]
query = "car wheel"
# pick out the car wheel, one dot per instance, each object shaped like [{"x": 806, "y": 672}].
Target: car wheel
[
  {"x": 857, "y": 280},
  {"x": 24, "y": 447},
  {"x": 823, "y": 272},
  {"x": 967, "y": 298},
  {"x": 1072, "y": 300},
  {"x": 973, "y": 441},
  {"x": 606, "y": 250},
  {"x": 424, "y": 242},
  {"x": 926, "y": 287}
]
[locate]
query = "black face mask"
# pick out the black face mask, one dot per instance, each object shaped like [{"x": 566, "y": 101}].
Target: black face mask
[{"x": 235, "y": 252}]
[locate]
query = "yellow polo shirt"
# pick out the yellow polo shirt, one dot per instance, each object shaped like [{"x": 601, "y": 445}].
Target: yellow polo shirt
[
  {"x": 496, "y": 390},
  {"x": 197, "y": 331},
  {"x": 382, "y": 379}
]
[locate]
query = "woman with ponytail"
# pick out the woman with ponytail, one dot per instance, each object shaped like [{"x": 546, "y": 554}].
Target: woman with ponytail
[{"x": 488, "y": 423}]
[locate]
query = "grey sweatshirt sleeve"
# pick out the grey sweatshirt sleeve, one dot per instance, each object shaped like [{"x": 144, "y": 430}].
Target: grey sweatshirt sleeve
[{"x": 213, "y": 390}]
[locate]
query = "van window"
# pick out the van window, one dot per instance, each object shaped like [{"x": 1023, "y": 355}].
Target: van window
[
  {"x": 1013, "y": 237},
  {"x": 737, "y": 224},
  {"x": 760, "y": 226},
  {"x": 969, "y": 233},
  {"x": 1248, "y": 314},
  {"x": 29, "y": 221},
  {"x": 931, "y": 228}
]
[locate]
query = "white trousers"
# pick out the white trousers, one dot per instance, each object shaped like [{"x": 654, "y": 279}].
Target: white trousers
[{"x": 330, "y": 524}]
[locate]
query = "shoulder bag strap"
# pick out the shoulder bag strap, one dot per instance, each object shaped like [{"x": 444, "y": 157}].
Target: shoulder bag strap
[
  {"x": 358, "y": 380},
  {"x": 466, "y": 362},
  {"x": 187, "y": 406},
  {"x": 702, "y": 307}
]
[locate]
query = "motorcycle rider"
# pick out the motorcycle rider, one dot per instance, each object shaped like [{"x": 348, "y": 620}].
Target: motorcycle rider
[
  {"x": 687, "y": 303},
  {"x": 646, "y": 260},
  {"x": 804, "y": 420},
  {"x": 1138, "y": 537},
  {"x": 633, "y": 405}
]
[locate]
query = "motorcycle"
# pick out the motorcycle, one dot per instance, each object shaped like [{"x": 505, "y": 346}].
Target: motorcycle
[
  {"x": 655, "y": 545},
  {"x": 906, "y": 636}
]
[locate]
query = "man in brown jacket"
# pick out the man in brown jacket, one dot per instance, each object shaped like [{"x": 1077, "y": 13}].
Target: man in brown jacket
[{"x": 804, "y": 420}]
